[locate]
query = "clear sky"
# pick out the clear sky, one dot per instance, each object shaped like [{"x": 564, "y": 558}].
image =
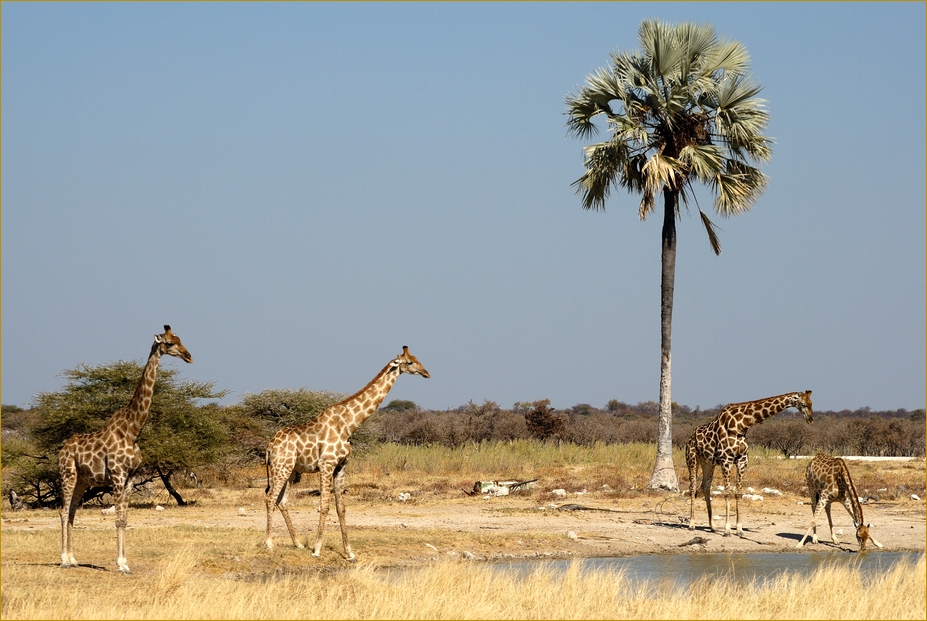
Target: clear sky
[{"x": 299, "y": 190}]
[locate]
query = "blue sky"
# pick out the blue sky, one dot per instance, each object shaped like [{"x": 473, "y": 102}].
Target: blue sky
[{"x": 302, "y": 189}]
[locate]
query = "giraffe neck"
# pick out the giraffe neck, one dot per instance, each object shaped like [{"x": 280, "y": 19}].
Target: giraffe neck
[
  {"x": 132, "y": 417},
  {"x": 755, "y": 412},
  {"x": 354, "y": 410},
  {"x": 852, "y": 496}
]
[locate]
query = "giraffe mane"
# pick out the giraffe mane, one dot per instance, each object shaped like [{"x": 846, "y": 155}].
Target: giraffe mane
[
  {"x": 359, "y": 392},
  {"x": 759, "y": 400}
]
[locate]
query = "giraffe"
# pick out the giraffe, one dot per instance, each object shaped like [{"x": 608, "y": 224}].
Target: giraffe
[
  {"x": 322, "y": 445},
  {"x": 723, "y": 442},
  {"x": 828, "y": 480},
  {"x": 110, "y": 456}
]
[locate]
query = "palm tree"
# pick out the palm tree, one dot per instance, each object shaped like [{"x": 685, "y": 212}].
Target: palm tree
[{"x": 680, "y": 110}]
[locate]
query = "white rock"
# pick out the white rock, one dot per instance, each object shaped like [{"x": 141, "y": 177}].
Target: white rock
[
  {"x": 559, "y": 493},
  {"x": 404, "y": 496},
  {"x": 159, "y": 508},
  {"x": 915, "y": 497},
  {"x": 108, "y": 510},
  {"x": 756, "y": 497},
  {"x": 769, "y": 491},
  {"x": 572, "y": 535},
  {"x": 241, "y": 510}
]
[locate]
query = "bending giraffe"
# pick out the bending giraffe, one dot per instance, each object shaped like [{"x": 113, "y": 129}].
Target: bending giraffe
[
  {"x": 322, "y": 445},
  {"x": 723, "y": 442},
  {"x": 828, "y": 479},
  {"x": 110, "y": 456}
]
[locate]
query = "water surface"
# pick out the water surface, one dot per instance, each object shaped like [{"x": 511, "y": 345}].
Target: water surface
[{"x": 681, "y": 570}]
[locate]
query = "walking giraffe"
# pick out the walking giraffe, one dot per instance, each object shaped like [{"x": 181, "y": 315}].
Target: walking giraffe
[
  {"x": 110, "y": 456},
  {"x": 723, "y": 442},
  {"x": 322, "y": 445},
  {"x": 828, "y": 479}
]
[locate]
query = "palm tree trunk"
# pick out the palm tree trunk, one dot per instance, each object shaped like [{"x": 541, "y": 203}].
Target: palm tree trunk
[{"x": 664, "y": 474}]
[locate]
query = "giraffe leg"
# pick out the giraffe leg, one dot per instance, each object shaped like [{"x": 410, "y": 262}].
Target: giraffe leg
[
  {"x": 72, "y": 493},
  {"x": 121, "y": 498},
  {"x": 277, "y": 496},
  {"x": 692, "y": 465},
  {"x": 726, "y": 476},
  {"x": 817, "y": 507},
  {"x": 339, "y": 507},
  {"x": 708, "y": 473},
  {"x": 326, "y": 475},
  {"x": 830, "y": 523},
  {"x": 693, "y": 472},
  {"x": 284, "y": 504},
  {"x": 815, "y": 501},
  {"x": 738, "y": 476}
]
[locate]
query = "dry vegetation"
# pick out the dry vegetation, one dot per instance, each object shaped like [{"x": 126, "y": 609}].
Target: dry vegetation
[
  {"x": 180, "y": 590},
  {"x": 206, "y": 561}
]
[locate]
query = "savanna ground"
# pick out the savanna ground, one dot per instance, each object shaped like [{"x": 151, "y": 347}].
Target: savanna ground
[{"x": 207, "y": 560}]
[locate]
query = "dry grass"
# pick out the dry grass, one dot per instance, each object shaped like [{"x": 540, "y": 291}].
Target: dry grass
[
  {"x": 196, "y": 571},
  {"x": 178, "y": 589}
]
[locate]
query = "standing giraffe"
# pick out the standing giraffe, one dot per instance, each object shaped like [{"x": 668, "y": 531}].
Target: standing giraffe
[
  {"x": 110, "y": 456},
  {"x": 723, "y": 442},
  {"x": 828, "y": 479},
  {"x": 322, "y": 445}
]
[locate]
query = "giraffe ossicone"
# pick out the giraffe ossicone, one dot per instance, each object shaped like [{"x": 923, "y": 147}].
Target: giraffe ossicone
[
  {"x": 723, "y": 442},
  {"x": 828, "y": 479},
  {"x": 110, "y": 456},
  {"x": 323, "y": 445}
]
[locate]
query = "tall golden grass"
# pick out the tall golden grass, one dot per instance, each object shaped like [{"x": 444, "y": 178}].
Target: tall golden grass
[
  {"x": 454, "y": 590},
  {"x": 197, "y": 572}
]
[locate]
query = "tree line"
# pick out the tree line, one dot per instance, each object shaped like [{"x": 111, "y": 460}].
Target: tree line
[{"x": 189, "y": 432}]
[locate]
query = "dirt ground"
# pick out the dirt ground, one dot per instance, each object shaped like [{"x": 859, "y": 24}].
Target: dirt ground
[{"x": 520, "y": 526}]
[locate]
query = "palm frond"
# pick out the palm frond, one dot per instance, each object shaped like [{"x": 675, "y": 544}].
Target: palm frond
[
  {"x": 704, "y": 161},
  {"x": 712, "y": 235},
  {"x": 737, "y": 188}
]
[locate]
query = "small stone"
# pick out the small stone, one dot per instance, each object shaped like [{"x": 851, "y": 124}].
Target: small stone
[
  {"x": 572, "y": 535},
  {"x": 159, "y": 508}
]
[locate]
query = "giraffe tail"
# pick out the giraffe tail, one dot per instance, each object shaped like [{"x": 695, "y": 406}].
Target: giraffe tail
[{"x": 267, "y": 469}]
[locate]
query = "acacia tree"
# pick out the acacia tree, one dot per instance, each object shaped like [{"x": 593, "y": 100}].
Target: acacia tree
[{"x": 680, "y": 110}]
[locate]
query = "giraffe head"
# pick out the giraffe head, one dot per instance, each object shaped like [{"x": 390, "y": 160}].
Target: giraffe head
[
  {"x": 862, "y": 536},
  {"x": 802, "y": 401},
  {"x": 169, "y": 343},
  {"x": 407, "y": 363}
]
